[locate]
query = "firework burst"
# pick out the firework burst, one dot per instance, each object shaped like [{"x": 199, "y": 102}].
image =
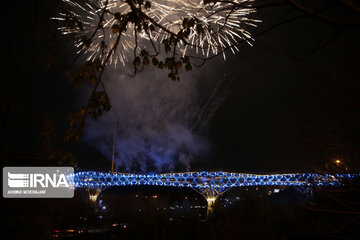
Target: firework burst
[{"x": 216, "y": 27}]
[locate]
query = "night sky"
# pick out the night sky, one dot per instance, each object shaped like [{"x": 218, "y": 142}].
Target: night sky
[{"x": 292, "y": 106}]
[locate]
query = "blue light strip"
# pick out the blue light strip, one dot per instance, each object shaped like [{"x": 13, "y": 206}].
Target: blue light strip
[{"x": 201, "y": 180}]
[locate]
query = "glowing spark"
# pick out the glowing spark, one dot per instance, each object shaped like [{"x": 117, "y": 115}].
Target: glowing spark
[{"x": 218, "y": 26}]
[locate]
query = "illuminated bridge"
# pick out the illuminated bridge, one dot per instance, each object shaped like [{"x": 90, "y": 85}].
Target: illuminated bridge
[{"x": 209, "y": 184}]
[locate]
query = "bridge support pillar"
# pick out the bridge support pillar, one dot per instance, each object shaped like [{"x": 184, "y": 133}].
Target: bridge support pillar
[
  {"x": 211, "y": 194},
  {"x": 93, "y": 194},
  {"x": 307, "y": 191}
]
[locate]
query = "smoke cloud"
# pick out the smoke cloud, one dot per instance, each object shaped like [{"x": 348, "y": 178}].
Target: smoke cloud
[{"x": 158, "y": 124}]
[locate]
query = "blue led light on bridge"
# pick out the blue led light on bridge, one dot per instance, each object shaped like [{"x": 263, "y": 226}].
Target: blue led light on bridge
[{"x": 208, "y": 179}]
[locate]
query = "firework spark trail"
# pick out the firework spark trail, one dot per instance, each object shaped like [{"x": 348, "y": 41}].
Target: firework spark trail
[
  {"x": 149, "y": 126},
  {"x": 223, "y": 23},
  {"x": 217, "y": 97}
]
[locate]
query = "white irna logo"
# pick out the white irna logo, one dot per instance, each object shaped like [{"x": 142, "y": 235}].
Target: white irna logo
[{"x": 20, "y": 180}]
